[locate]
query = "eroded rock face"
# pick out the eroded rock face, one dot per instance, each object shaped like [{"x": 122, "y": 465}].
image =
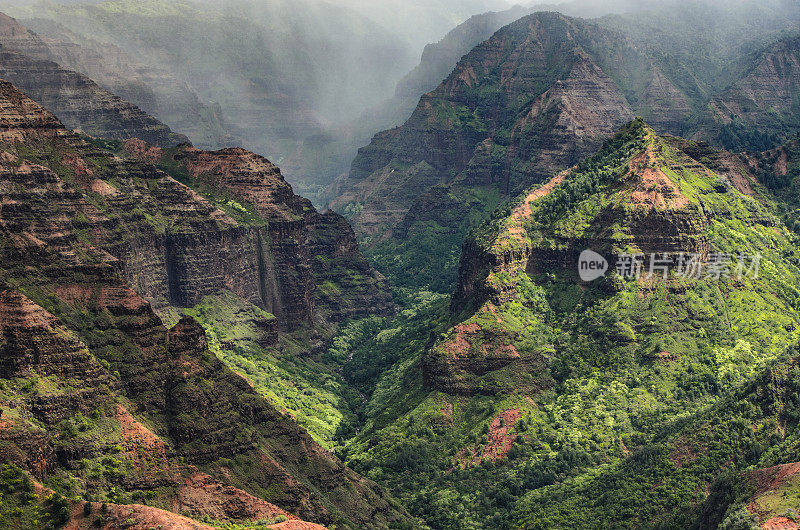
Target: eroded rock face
[
  {"x": 202, "y": 493},
  {"x": 80, "y": 104},
  {"x": 81, "y": 238},
  {"x": 175, "y": 247},
  {"x": 301, "y": 248},
  {"x": 759, "y": 108},
  {"x": 535, "y": 98},
  {"x": 33, "y": 341},
  {"x": 28, "y": 62}
]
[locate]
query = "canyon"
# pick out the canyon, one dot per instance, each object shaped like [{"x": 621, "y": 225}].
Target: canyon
[
  {"x": 94, "y": 244},
  {"x": 186, "y": 341}
]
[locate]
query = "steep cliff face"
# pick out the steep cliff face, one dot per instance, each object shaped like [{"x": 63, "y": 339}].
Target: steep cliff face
[
  {"x": 437, "y": 61},
  {"x": 17, "y": 37},
  {"x": 75, "y": 99},
  {"x": 270, "y": 278},
  {"x": 266, "y": 274},
  {"x": 533, "y": 96},
  {"x": 285, "y": 78},
  {"x": 440, "y": 58},
  {"x": 758, "y": 110},
  {"x": 154, "y": 90},
  {"x": 296, "y": 248},
  {"x": 99, "y": 397}
]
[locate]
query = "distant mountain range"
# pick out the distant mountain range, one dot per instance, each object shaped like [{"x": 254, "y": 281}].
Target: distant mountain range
[{"x": 539, "y": 95}]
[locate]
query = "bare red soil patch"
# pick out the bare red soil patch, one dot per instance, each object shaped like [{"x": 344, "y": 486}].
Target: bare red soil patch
[
  {"x": 83, "y": 174},
  {"x": 666, "y": 357},
  {"x": 447, "y": 412},
  {"x": 296, "y": 525},
  {"x": 523, "y": 211},
  {"x": 780, "y": 523},
  {"x": 772, "y": 478},
  {"x": 499, "y": 441},
  {"x": 468, "y": 334},
  {"x": 782, "y": 164},
  {"x": 115, "y": 516},
  {"x": 459, "y": 344},
  {"x": 141, "y": 150},
  {"x": 653, "y": 188},
  {"x": 131, "y": 516},
  {"x": 201, "y": 493},
  {"x": 148, "y": 453},
  {"x": 502, "y": 350},
  {"x": 103, "y": 188}
]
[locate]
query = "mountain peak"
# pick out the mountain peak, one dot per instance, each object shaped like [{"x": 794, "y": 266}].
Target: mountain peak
[
  {"x": 659, "y": 199},
  {"x": 641, "y": 192},
  {"x": 643, "y": 183}
]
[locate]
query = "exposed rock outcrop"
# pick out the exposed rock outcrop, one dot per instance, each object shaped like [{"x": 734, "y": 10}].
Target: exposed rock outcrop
[
  {"x": 660, "y": 201},
  {"x": 533, "y": 99},
  {"x": 27, "y": 61},
  {"x": 81, "y": 231}
]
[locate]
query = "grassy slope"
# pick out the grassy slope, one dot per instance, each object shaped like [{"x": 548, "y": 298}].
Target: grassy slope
[{"x": 609, "y": 394}]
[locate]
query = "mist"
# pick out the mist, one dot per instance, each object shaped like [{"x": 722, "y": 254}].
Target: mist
[
  {"x": 307, "y": 82},
  {"x": 420, "y": 22}
]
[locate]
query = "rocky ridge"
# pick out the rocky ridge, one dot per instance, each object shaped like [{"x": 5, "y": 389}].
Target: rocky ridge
[
  {"x": 643, "y": 202},
  {"x": 27, "y": 61},
  {"x": 300, "y": 248},
  {"x": 154, "y": 90},
  {"x": 90, "y": 365}
]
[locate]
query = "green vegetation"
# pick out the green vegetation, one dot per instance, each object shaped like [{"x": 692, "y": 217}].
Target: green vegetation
[
  {"x": 21, "y": 507},
  {"x": 630, "y": 398},
  {"x": 426, "y": 257},
  {"x": 298, "y": 385},
  {"x": 133, "y": 411},
  {"x": 381, "y": 356},
  {"x": 243, "y": 525},
  {"x": 493, "y": 127}
]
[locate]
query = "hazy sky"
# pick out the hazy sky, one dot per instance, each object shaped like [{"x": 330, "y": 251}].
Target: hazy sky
[{"x": 422, "y": 21}]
